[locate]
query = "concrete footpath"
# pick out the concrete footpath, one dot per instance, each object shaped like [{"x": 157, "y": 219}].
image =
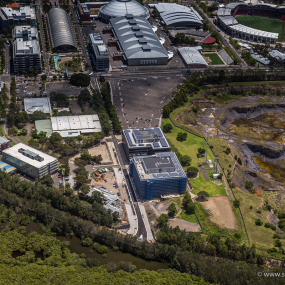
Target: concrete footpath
[
  {"x": 146, "y": 223},
  {"x": 133, "y": 221}
]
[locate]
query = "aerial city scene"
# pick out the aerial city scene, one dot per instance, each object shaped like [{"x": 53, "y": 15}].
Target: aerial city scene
[{"x": 142, "y": 142}]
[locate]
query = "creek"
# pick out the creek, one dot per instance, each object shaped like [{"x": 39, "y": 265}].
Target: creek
[{"x": 112, "y": 256}]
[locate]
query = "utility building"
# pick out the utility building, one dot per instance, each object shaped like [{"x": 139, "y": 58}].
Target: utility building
[
  {"x": 137, "y": 41},
  {"x": 141, "y": 142},
  {"x": 26, "y": 49},
  {"x": 157, "y": 175},
  {"x": 192, "y": 57},
  {"x": 4, "y": 144},
  {"x": 99, "y": 52},
  {"x": 30, "y": 161}
]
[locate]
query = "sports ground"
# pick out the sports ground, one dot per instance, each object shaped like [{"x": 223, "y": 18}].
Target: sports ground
[{"x": 262, "y": 23}]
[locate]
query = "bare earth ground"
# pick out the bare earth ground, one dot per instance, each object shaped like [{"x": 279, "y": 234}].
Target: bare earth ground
[
  {"x": 184, "y": 225},
  {"x": 101, "y": 149},
  {"x": 222, "y": 211},
  {"x": 162, "y": 207}
]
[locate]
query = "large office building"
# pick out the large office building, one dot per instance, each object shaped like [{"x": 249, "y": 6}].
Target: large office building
[
  {"x": 4, "y": 144},
  {"x": 119, "y": 8},
  {"x": 147, "y": 141},
  {"x": 157, "y": 175},
  {"x": 137, "y": 41},
  {"x": 70, "y": 126},
  {"x": 99, "y": 53},
  {"x": 26, "y": 49},
  {"x": 37, "y": 104},
  {"x": 61, "y": 34},
  {"x": 30, "y": 161},
  {"x": 177, "y": 16},
  {"x": 12, "y": 16}
]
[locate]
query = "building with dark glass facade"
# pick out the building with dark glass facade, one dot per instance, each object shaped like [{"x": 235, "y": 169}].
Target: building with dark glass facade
[{"x": 157, "y": 175}]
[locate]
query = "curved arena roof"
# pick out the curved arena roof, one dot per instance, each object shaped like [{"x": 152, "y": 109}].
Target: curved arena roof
[
  {"x": 177, "y": 15},
  {"x": 60, "y": 28},
  {"x": 119, "y": 8}
]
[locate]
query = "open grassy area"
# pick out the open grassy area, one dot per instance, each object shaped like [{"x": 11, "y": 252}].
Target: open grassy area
[
  {"x": 189, "y": 147},
  {"x": 259, "y": 235},
  {"x": 262, "y": 23},
  {"x": 73, "y": 68},
  {"x": 189, "y": 218},
  {"x": 199, "y": 184},
  {"x": 215, "y": 59}
]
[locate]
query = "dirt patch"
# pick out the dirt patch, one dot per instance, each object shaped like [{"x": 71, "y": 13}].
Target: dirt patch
[
  {"x": 258, "y": 193},
  {"x": 101, "y": 149},
  {"x": 184, "y": 225},
  {"x": 162, "y": 207},
  {"x": 222, "y": 210}
]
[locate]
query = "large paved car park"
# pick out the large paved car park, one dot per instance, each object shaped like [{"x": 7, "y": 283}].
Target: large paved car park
[
  {"x": 28, "y": 88},
  {"x": 64, "y": 87},
  {"x": 140, "y": 99}
]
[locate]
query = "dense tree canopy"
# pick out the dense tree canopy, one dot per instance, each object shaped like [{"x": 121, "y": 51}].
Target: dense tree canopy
[{"x": 80, "y": 79}]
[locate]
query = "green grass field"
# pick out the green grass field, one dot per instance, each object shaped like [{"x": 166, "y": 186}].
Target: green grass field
[
  {"x": 199, "y": 184},
  {"x": 262, "y": 23},
  {"x": 76, "y": 68},
  {"x": 215, "y": 59}
]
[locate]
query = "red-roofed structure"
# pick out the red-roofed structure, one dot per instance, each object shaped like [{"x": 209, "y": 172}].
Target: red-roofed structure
[
  {"x": 13, "y": 6},
  {"x": 209, "y": 40}
]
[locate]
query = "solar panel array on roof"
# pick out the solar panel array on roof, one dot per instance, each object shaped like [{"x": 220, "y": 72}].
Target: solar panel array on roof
[
  {"x": 158, "y": 131},
  {"x": 155, "y": 144},
  {"x": 163, "y": 142},
  {"x": 128, "y": 138}
]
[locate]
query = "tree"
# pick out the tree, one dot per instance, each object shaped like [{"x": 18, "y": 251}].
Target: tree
[
  {"x": 167, "y": 128},
  {"x": 55, "y": 138},
  {"x": 80, "y": 79},
  {"x": 44, "y": 77},
  {"x": 162, "y": 220},
  {"x": 192, "y": 171},
  {"x": 185, "y": 160},
  {"x": 236, "y": 203},
  {"x": 38, "y": 115},
  {"x": 87, "y": 241},
  {"x": 258, "y": 222},
  {"x": 171, "y": 210},
  {"x": 248, "y": 185},
  {"x": 239, "y": 161},
  {"x": 84, "y": 155},
  {"x": 13, "y": 131},
  {"x": 181, "y": 136},
  {"x": 201, "y": 150},
  {"x": 47, "y": 180},
  {"x": 203, "y": 195}
]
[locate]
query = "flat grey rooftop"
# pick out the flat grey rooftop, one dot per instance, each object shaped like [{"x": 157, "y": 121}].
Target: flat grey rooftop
[{"x": 37, "y": 104}]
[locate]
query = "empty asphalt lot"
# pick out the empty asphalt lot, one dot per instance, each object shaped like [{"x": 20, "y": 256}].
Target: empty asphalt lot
[{"x": 139, "y": 99}]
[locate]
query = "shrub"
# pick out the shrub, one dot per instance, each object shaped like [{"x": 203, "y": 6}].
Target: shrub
[
  {"x": 203, "y": 195},
  {"x": 267, "y": 225},
  {"x": 276, "y": 236},
  {"x": 273, "y": 249},
  {"x": 277, "y": 243},
  {"x": 250, "y": 207},
  {"x": 236, "y": 203},
  {"x": 258, "y": 222},
  {"x": 258, "y": 212},
  {"x": 239, "y": 161},
  {"x": 237, "y": 235},
  {"x": 87, "y": 241}
]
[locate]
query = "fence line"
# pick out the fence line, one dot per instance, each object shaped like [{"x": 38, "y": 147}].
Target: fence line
[{"x": 226, "y": 181}]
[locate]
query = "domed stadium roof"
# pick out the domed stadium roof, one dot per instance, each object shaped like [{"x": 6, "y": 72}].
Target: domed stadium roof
[{"x": 119, "y": 8}]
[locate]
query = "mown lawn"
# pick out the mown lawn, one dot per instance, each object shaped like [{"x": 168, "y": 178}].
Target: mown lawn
[
  {"x": 188, "y": 147},
  {"x": 189, "y": 218},
  {"x": 215, "y": 59},
  {"x": 199, "y": 184}
]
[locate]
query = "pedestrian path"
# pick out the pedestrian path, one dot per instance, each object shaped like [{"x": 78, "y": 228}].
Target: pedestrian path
[
  {"x": 133, "y": 221},
  {"x": 146, "y": 223}
]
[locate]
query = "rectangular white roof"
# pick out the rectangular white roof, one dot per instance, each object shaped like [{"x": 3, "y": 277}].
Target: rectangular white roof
[
  {"x": 14, "y": 151},
  {"x": 83, "y": 123},
  {"x": 191, "y": 55},
  {"x": 37, "y": 104}
]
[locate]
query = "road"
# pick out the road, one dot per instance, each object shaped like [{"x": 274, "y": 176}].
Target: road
[{"x": 141, "y": 233}]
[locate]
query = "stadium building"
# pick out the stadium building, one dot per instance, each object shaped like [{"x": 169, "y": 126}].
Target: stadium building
[
  {"x": 157, "y": 175},
  {"x": 147, "y": 141},
  {"x": 119, "y": 8},
  {"x": 226, "y": 20},
  {"x": 177, "y": 16},
  {"x": 137, "y": 42},
  {"x": 30, "y": 161},
  {"x": 61, "y": 34}
]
